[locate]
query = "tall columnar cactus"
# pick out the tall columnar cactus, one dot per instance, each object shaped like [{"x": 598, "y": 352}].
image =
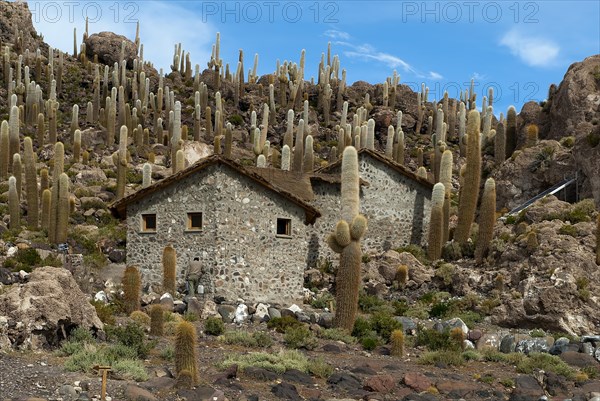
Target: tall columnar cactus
[
  {"x": 146, "y": 175},
  {"x": 76, "y": 146},
  {"x": 62, "y": 218},
  {"x": 18, "y": 172},
  {"x": 446, "y": 179},
  {"x": 285, "y": 158},
  {"x": 345, "y": 240},
  {"x": 131, "y": 288},
  {"x": 31, "y": 185},
  {"x": 74, "y": 120},
  {"x": 46, "y": 197},
  {"x": 500, "y": 144},
  {"x": 487, "y": 219},
  {"x": 309, "y": 157},
  {"x": 511, "y": 131},
  {"x": 41, "y": 129},
  {"x": 185, "y": 352},
  {"x": 469, "y": 192},
  {"x": 462, "y": 128},
  {"x": 299, "y": 147},
  {"x": 13, "y": 132},
  {"x": 370, "y": 144},
  {"x": 169, "y": 262},
  {"x": 4, "y": 150},
  {"x": 399, "y": 154},
  {"x": 14, "y": 206},
  {"x": 228, "y": 140},
  {"x": 122, "y": 163},
  {"x": 389, "y": 145},
  {"x": 436, "y": 222}
]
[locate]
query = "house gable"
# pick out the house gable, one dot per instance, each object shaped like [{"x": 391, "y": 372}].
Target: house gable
[{"x": 239, "y": 242}]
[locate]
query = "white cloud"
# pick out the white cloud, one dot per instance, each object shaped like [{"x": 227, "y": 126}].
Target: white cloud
[
  {"x": 533, "y": 51},
  {"x": 162, "y": 25},
  {"x": 435, "y": 75},
  {"x": 335, "y": 34},
  {"x": 478, "y": 77}
]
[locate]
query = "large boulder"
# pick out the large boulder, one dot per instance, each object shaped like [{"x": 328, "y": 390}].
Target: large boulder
[
  {"x": 107, "y": 45},
  {"x": 44, "y": 310}
]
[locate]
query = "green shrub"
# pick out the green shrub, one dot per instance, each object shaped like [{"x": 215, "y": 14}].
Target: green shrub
[
  {"x": 322, "y": 301},
  {"x": 319, "y": 368},
  {"x": 336, "y": 334},
  {"x": 507, "y": 382},
  {"x": 282, "y": 324},
  {"x": 236, "y": 119},
  {"x": 214, "y": 326},
  {"x": 105, "y": 312},
  {"x": 546, "y": 362},
  {"x": 132, "y": 335},
  {"x": 384, "y": 323},
  {"x": 263, "y": 340},
  {"x": 278, "y": 363},
  {"x": 370, "y": 340},
  {"x": 400, "y": 307},
  {"x": 81, "y": 335},
  {"x": 444, "y": 357},
  {"x": 300, "y": 337},
  {"x": 369, "y": 303},
  {"x": 434, "y": 340},
  {"x": 362, "y": 327},
  {"x": 581, "y": 211},
  {"x": 238, "y": 337},
  {"x": 168, "y": 353}
]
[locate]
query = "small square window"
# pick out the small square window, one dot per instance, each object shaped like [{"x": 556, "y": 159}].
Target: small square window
[
  {"x": 284, "y": 227},
  {"x": 149, "y": 223},
  {"x": 194, "y": 221}
]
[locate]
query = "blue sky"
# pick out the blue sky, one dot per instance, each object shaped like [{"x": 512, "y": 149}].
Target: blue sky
[{"x": 518, "y": 47}]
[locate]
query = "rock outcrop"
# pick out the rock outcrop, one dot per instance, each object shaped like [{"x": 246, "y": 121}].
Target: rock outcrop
[
  {"x": 573, "y": 109},
  {"x": 531, "y": 171},
  {"x": 44, "y": 310},
  {"x": 16, "y": 27},
  {"x": 107, "y": 45}
]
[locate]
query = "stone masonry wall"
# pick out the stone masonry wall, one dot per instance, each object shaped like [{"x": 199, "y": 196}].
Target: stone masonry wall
[
  {"x": 397, "y": 209},
  {"x": 238, "y": 242}
]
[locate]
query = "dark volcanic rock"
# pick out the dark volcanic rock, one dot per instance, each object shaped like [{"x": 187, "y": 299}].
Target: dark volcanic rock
[{"x": 107, "y": 45}]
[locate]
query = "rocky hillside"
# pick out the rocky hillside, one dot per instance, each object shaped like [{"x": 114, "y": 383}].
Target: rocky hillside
[{"x": 466, "y": 324}]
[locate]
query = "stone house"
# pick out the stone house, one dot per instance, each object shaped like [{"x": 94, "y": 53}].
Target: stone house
[
  {"x": 395, "y": 201},
  {"x": 249, "y": 233},
  {"x": 257, "y": 229}
]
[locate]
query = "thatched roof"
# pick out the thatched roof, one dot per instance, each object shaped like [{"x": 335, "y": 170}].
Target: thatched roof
[
  {"x": 382, "y": 158},
  {"x": 298, "y": 190}
]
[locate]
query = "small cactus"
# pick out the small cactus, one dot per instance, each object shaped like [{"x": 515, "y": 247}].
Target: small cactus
[
  {"x": 285, "y": 158},
  {"x": 156, "y": 320},
  {"x": 397, "y": 342},
  {"x": 402, "y": 275},
  {"x": 146, "y": 175},
  {"x": 309, "y": 158},
  {"x": 131, "y": 288},
  {"x": 46, "y": 196},
  {"x": 457, "y": 336},
  {"x": 185, "y": 352},
  {"x": 169, "y": 261},
  {"x": 532, "y": 135}
]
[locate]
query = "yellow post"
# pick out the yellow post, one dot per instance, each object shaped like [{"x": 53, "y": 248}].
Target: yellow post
[{"x": 104, "y": 370}]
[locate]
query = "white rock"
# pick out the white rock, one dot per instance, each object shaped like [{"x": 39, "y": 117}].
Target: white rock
[
  {"x": 468, "y": 345},
  {"x": 241, "y": 314},
  {"x": 295, "y": 308},
  {"x": 262, "y": 310},
  {"x": 166, "y": 295},
  {"x": 101, "y": 297},
  {"x": 11, "y": 251},
  {"x": 23, "y": 274}
]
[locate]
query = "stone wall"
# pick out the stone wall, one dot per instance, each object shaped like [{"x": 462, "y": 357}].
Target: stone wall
[
  {"x": 237, "y": 244},
  {"x": 397, "y": 209}
]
